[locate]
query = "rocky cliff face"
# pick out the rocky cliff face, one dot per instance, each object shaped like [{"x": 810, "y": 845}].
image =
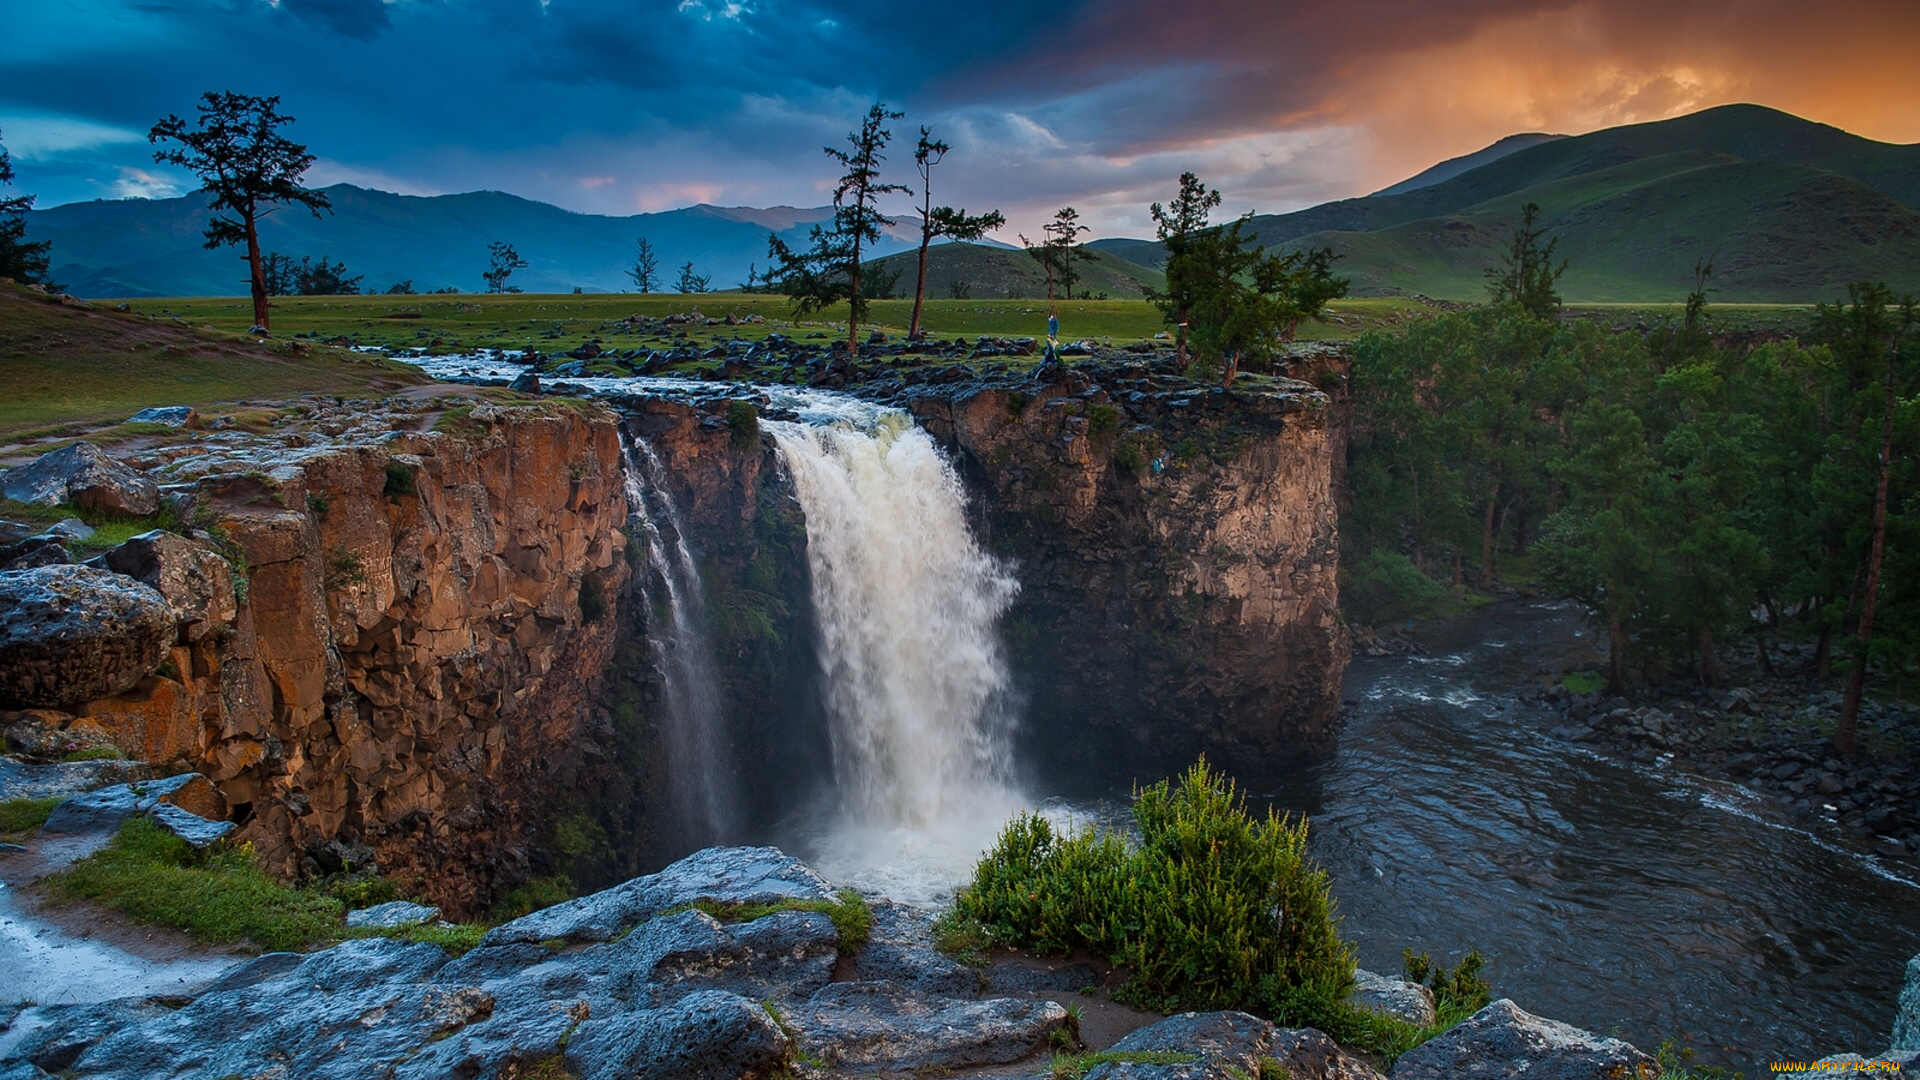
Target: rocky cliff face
[
  {"x": 1177, "y": 552},
  {"x": 405, "y": 654}
]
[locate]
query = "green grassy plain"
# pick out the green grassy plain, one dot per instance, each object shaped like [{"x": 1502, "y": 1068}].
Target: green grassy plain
[
  {"x": 558, "y": 323},
  {"x": 64, "y": 366}
]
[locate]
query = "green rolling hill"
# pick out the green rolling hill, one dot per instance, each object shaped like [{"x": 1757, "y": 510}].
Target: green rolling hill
[
  {"x": 1789, "y": 210},
  {"x": 1000, "y": 272}
]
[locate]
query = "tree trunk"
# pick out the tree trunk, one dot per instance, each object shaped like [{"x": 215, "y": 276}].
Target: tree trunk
[
  {"x": 1520, "y": 533},
  {"x": 1857, "y": 676},
  {"x": 258, "y": 279},
  {"x": 920, "y": 288},
  {"x": 1709, "y": 666},
  {"x": 1486, "y": 540},
  {"x": 853, "y": 300},
  {"x": 1233, "y": 369},
  {"x": 1616, "y": 652},
  {"x": 1823, "y": 655}
]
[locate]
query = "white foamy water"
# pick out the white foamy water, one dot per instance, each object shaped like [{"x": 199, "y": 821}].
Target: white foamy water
[{"x": 917, "y": 685}]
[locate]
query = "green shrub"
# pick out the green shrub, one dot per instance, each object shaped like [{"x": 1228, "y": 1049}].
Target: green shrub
[
  {"x": 532, "y": 895},
  {"x": 399, "y": 480},
  {"x": 1102, "y": 420},
  {"x": 1386, "y": 587},
  {"x": 1211, "y": 909},
  {"x": 593, "y": 598},
  {"x": 743, "y": 424}
]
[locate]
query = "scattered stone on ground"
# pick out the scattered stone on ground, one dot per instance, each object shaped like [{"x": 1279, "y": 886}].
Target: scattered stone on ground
[{"x": 73, "y": 633}]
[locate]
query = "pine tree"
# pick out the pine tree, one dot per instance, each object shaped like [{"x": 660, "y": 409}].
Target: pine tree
[
  {"x": 246, "y": 165},
  {"x": 939, "y": 221},
  {"x": 20, "y": 259},
  {"x": 645, "y": 270}
]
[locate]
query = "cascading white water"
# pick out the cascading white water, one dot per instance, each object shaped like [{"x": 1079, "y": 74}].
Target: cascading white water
[
  {"x": 916, "y": 683},
  {"x": 698, "y": 781}
]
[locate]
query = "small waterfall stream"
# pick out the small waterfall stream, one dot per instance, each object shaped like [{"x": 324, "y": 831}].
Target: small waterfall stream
[{"x": 698, "y": 780}]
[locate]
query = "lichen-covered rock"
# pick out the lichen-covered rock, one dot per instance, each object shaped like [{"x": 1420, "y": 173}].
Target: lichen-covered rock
[
  {"x": 743, "y": 875},
  {"x": 80, "y": 474},
  {"x": 74, "y": 633},
  {"x": 711, "y": 1035},
  {"x": 900, "y": 948},
  {"x": 393, "y": 914},
  {"x": 1906, "y": 1021},
  {"x": 1503, "y": 1042},
  {"x": 1218, "y": 1041},
  {"x": 1393, "y": 997},
  {"x": 1308, "y": 1054},
  {"x": 186, "y": 805},
  {"x": 196, "y": 580},
  {"x": 884, "y": 1025}
]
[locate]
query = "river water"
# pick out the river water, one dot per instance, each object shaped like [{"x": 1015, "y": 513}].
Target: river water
[{"x": 1617, "y": 897}]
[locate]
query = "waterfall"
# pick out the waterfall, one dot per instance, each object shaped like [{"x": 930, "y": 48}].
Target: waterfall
[
  {"x": 698, "y": 779},
  {"x": 906, "y": 604}
]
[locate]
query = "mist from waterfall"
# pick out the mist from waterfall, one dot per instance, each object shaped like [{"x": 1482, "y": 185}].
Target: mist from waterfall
[
  {"x": 698, "y": 779},
  {"x": 916, "y": 683}
]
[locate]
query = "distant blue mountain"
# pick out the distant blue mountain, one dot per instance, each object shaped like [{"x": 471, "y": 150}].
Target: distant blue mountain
[{"x": 154, "y": 247}]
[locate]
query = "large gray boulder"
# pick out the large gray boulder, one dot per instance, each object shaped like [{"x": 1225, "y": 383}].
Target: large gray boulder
[
  {"x": 1393, "y": 997},
  {"x": 83, "y": 476},
  {"x": 711, "y": 1035},
  {"x": 872, "y": 1026},
  {"x": 73, "y": 633},
  {"x": 1906, "y": 1019},
  {"x": 1503, "y": 1041},
  {"x": 187, "y": 805},
  {"x": 1308, "y": 1054},
  {"x": 195, "y": 579},
  {"x": 1215, "y": 1042},
  {"x": 746, "y": 875}
]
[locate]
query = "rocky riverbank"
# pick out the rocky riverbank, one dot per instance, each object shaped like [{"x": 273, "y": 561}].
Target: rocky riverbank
[
  {"x": 723, "y": 965},
  {"x": 1769, "y": 732}
]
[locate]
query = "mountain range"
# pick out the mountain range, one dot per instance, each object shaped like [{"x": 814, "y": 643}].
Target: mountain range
[
  {"x": 154, "y": 247},
  {"x": 1787, "y": 209}
]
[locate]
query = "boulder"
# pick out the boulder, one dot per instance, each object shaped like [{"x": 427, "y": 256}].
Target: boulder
[
  {"x": 170, "y": 415},
  {"x": 743, "y": 875},
  {"x": 188, "y": 805},
  {"x": 1502, "y": 1041},
  {"x": 195, "y": 579},
  {"x": 392, "y": 915},
  {"x": 900, "y": 948},
  {"x": 1308, "y": 1054},
  {"x": 34, "y": 551},
  {"x": 711, "y": 1035},
  {"x": 75, "y": 633},
  {"x": 45, "y": 734},
  {"x": 887, "y": 1026},
  {"x": 19, "y": 780},
  {"x": 80, "y": 474},
  {"x": 1906, "y": 1018},
  {"x": 1217, "y": 1041},
  {"x": 1393, "y": 997}
]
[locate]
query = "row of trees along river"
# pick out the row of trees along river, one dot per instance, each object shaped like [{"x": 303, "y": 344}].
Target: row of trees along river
[{"x": 1683, "y": 487}]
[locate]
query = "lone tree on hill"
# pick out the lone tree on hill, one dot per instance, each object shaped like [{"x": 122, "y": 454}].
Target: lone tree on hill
[
  {"x": 691, "y": 282},
  {"x": 1526, "y": 275},
  {"x": 1055, "y": 253},
  {"x": 502, "y": 261},
  {"x": 1237, "y": 301},
  {"x": 20, "y": 259},
  {"x": 829, "y": 271},
  {"x": 246, "y": 165},
  {"x": 938, "y": 221},
  {"x": 645, "y": 270},
  {"x": 1179, "y": 227}
]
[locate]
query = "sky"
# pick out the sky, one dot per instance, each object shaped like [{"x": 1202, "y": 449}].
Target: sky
[{"x": 628, "y": 106}]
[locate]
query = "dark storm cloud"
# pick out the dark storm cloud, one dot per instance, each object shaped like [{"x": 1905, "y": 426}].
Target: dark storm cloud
[{"x": 620, "y": 106}]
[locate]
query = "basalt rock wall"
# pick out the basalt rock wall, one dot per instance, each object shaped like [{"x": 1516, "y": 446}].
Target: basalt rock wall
[
  {"x": 1176, "y": 547},
  {"x": 412, "y": 658}
]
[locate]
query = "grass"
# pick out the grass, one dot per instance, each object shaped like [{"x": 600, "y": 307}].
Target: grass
[
  {"x": 851, "y": 916},
  {"x": 61, "y": 366},
  {"x": 1075, "y": 1066},
  {"x": 222, "y": 896},
  {"x": 109, "y": 530},
  {"x": 22, "y": 815},
  {"x": 560, "y": 323}
]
